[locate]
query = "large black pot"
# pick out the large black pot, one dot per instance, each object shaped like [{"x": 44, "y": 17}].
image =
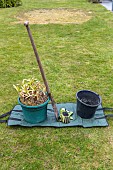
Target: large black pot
[{"x": 87, "y": 103}]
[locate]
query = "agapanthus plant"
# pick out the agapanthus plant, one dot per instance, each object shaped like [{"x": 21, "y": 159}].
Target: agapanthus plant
[{"x": 31, "y": 92}]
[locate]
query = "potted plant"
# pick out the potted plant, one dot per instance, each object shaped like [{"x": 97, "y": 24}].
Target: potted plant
[{"x": 33, "y": 99}]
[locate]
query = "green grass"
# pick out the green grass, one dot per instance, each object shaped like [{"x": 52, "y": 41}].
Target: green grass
[{"x": 74, "y": 57}]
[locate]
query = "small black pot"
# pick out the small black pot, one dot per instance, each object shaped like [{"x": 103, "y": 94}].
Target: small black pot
[{"x": 87, "y": 103}]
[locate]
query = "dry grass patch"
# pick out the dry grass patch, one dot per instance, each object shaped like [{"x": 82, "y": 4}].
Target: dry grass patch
[{"x": 55, "y": 16}]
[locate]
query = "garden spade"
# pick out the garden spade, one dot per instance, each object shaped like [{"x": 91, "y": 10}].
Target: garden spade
[{"x": 41, "y": 70}]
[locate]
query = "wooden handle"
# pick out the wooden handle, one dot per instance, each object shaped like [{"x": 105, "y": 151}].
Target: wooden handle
[
  {"x": 41, "y": 69},
  {"x": 26, "y": 23}
]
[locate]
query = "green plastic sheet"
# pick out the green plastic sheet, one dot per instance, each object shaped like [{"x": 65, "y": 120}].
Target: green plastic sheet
[{"x": 51, "y": 120}]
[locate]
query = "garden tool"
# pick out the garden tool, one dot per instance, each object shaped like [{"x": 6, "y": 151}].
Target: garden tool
[
  {"x": 41, "y": 70},
  {"x": 65, "y": 115}
]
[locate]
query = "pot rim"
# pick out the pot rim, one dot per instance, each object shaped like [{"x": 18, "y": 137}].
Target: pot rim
[
  {"x": 28, "y": 106},
  {"x": 90, "y": 92}
]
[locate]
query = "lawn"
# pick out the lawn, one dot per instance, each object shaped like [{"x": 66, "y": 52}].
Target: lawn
[{"x": 76, "y": 55}]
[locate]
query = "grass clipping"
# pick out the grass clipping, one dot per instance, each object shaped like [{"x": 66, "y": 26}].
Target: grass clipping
[{"x": 55, "y": 16}]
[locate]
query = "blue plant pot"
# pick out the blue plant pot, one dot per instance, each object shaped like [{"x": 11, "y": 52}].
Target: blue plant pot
[{"x": 34, "y": 114}]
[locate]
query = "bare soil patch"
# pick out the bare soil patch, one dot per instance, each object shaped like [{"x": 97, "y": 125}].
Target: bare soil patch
[{"x": 55, "y": 16}]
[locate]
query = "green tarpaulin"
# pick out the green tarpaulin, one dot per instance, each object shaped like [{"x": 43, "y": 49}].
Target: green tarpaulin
[{"x": 51, "y": 120}]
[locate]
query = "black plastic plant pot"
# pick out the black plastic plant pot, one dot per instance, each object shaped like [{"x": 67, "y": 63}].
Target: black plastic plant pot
[{"x": 87, "y": 103}]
